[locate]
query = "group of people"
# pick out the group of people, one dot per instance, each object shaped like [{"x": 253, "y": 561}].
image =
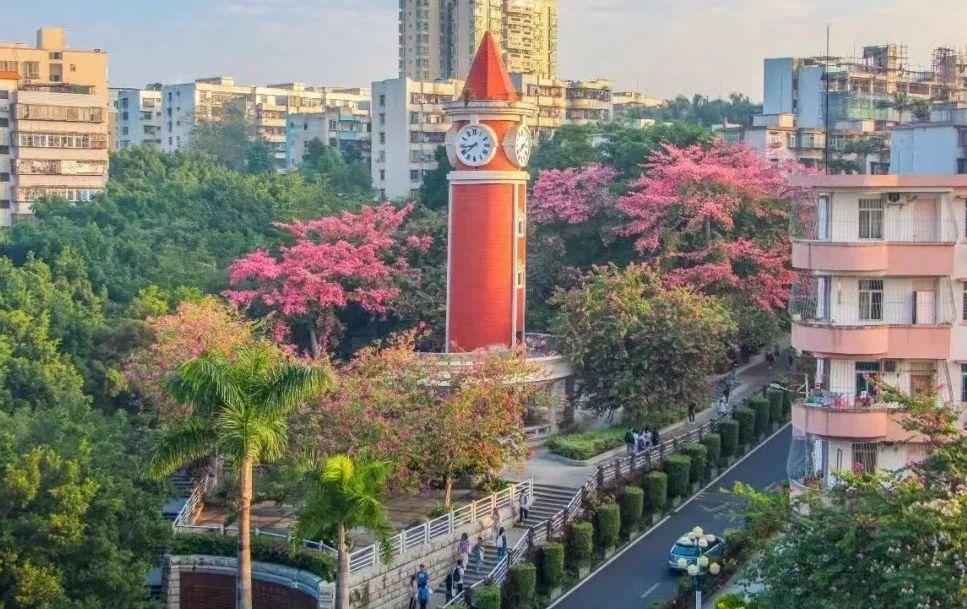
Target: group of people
[{"x": 640, "y": 441}]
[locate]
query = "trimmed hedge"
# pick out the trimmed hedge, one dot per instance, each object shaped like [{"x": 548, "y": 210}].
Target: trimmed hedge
[
  {"x": 520, "y": 590},
  {"x": 698, "y": 455},
  {"x": 746, "y": 420},
  {"x": 486, "y": 597},
  {"x": 678, "y": 467},
  {"x": 775, "y": 406},
  {"x": 263, "y": 549},
  {"x": 579, "y": 545},
  {"x": 713, "y": 447},
  {"x": 607, "y": 525},
  {"x": 786, "y": 405},
  {"x": 632, "y": 503},
  {"x": 550, "y": 567},
  {"x": 586, "y": 444},
  {"x": 760, "y": 406},
  {"x": 729, "y": 432},
  {"x": 656, "y": 491}
]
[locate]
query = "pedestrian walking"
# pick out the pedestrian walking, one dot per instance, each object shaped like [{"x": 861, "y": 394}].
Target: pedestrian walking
[
  {"x": 448, "y": 587},
  {"x": 692, "y": 409},
  {"x": 630, "y": 439},
  {"x": 501, "y": 544},
  {"x": 422, "y": 577},
  {"x": 655, "y": 437},
  {"x": 422, "y": 587},
  {"x": 457, "y": 574},
  {"x": 494, "y": 525},
  {"x": 791, "y": 357},
  {"x": 423, "y": 596},
  {"x": 646, "y": 438},
  {"x": 412, "y": 590},
  {"x": 478, "y": 555},
  {"x": 727, "y": 391},
  {"x": 523, "y": 501},
  {"x": 722, "y": 407},
  {"x": 463, "y": 547},
  {"x": 640, "y": 440}
]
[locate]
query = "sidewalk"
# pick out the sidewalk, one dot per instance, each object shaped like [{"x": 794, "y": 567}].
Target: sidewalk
[{"x": 544, "y": 468}]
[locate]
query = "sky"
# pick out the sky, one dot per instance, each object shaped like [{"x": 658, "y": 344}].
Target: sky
[{"x": 663, "y": 47}]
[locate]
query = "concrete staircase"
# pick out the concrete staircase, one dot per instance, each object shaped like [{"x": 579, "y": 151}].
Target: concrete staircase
[
  {"x": 549, "y": 499},
  {"x": 183, "y": 484}
]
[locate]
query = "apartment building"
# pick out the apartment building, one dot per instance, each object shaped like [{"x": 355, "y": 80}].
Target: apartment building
[
  {"x": 439, "y": 38},
  {"x": 880, "y": 296},
  {"x": 562, "y": 102},
  {"x": 345, "y": 128},
  {"x": 137, "y": 116},
  {"x": 186, "y": 104},
  {"x": 53, "y": 123},
  {"x": 935, "y": 146},
  {"x": 408, "y": 124}
]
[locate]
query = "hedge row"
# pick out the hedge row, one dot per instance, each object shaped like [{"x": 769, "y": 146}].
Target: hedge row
[{"x": 263, "y": 549}]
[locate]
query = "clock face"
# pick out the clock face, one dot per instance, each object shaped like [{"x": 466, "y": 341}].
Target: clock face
[
  {"x": 520, "y": 146},
  {"x": 476, "y": 145}
]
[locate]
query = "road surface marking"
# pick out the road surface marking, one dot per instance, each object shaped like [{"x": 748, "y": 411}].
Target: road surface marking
[
  {"x": 667, "y": 516},
  {"x": 650, "y": 590}
]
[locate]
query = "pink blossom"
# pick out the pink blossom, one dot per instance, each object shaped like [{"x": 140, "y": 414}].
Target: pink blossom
[{"x": 571, "y": 195}]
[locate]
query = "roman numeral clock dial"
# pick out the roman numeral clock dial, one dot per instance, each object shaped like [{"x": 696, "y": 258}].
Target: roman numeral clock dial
[{"x": 476, "y": 145}]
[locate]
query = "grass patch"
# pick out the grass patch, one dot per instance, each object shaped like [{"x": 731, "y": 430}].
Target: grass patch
[{"x": 587, "y": 444}]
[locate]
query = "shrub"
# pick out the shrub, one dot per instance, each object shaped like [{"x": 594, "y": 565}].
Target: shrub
[
  {"x": 264, "y": 550},
  {"x": 632, "y": 501},
  {"x": 786, "y": 405},
  {"x": 656, "y": 490},
  {"x": 586, "y": 444},
  {"x": 731, "y": 601},
  {"x": 607, "y": 525},
  {"x": 746, "y": 420},
  {"x": 580, "y": 545},
  {"x": 550, "y": 572},
  {"x": 486, "y": 597},
  {"x": 521, "y": 585},
  {"x": 760, "y": 407},
  {"x": 678, "y": 468},
  {"x": 729, "y": 432},
  {"x": 698, "y": 455},
  {"x": 775, "y": 406},
  {"x": 713, "y": 448}
]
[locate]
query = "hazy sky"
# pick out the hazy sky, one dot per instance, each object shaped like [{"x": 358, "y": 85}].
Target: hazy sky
[{"x": 665, "y": 46}]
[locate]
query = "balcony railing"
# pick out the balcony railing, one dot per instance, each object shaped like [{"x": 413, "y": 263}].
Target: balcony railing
[
  {"x": 896, "y": 229},
  {"x": 870, "y": 313}
]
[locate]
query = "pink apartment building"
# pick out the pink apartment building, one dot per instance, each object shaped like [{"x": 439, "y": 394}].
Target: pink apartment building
[{"x": 881, "y": 265}]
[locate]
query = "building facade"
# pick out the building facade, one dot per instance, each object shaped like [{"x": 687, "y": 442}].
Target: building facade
[
  {"x": 53, "y": 123},
  {"x": 137, "y": 116},
  {"x": 879, "y": 297},
  {"x": 345, "y": 128},
  {"x": 563, "y": 102},
  {"x": 408, "y": 125},
  {"x": 936, "y": 146},
  {"x": 439, "y": 38}
]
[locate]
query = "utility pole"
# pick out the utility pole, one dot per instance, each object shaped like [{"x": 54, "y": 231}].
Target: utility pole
[{"x": 826, "y": 104}]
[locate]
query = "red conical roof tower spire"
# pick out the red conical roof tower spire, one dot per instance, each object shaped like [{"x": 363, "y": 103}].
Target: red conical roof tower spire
[{"x": 488, "y": 78}]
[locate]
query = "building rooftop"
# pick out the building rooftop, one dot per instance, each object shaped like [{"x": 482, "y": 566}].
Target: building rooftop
[{"x": 900, "y": 182}]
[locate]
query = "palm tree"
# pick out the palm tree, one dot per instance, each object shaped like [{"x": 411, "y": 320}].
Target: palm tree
[
  {"x": 240, "y": 409},
  {"x": 343, "y": 494}
]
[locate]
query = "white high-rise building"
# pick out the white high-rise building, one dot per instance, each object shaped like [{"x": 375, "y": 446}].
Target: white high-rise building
[{"x": 137, "y": 116}]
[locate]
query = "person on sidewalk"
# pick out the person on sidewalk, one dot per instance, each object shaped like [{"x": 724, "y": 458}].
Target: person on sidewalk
[
  {"x": 478, "y": 555},
  {"x": 448, "y": 587},
  {"x": 501, "y": 544},
  {"x": 655, "y": 437},
  {"x": 640, "y": 440},
  {"x": 494, "y": 525},
  {"x": 692, "y": 409},
  {"x": 523, "y": 501},
  {"x": 722, "y": 406},
  {"x": 423, "y": 596},
  {"x": 458, "y": 572},
  {"x": 727, "y": 391},
  {"x": 412, "y": 590},
  {"x": 630, "y": 439},
  {"x": 463, "y": 547},
  {"x": 422, "y": 587},
  {"x": 646, "y": 439}
]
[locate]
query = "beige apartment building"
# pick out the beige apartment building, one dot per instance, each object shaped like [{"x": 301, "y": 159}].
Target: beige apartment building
[
  {"x": 439, "y": 38},
  {"x": 53, "y": 123},
  {"x": 564, "y": 102}
]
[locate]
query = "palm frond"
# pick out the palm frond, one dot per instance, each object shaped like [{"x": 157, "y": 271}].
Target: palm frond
[
  {"x": 206, "y": 382},
  {"x": 289, "y": 385},
  {"x": 178, "y": 445}
]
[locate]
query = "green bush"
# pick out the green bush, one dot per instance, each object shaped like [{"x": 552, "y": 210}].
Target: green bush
[
  {"x": 519, "y": 591},
  {"x": 729, "y": 432},
  {"x": 607, "y": 525},
  {"x": 656, "y": 491},
  {"x": 550, "y": 567},
  {"x": 586, "y": 444},
  {"x": 713, "y": 448},
  {"x": 786, "y": 405},
  {"x": 579, "y": 545},
  {"x": 775, "y": 406},
  {"x": 746, "y": 420},
  {"x": 760, "y": 407},
  {"x": 698, "y": 455},
  {"x": 632, "y": 502},
  {"x": 731, "y": 601},
  {"x": 486, "y": 597},
  {"x": 263, "y": 549},
  {"x": 678, "y": 467}
]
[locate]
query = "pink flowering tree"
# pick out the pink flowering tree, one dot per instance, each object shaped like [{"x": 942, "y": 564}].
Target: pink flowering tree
[
  {"x": 715, "y": 218},
  {"x": 335, "y": 262},
  {"x": 572, "y": 196}
]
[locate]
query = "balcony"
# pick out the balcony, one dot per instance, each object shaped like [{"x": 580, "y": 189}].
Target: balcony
[{"x": 850, "y": 419}]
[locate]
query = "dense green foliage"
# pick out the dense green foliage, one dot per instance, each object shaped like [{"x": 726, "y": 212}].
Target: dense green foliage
[
  {"x": 550, "y": 567},
  {"x": 760, "y": 406},
  {"x": 775, "y": 407},
  {"x": 607, "y": 525},
  {"x": 586, "y": 444},
  {"x": 263, "y": 549},
  {"x": 233, "y": 142},
  {"x": 713, "y": 448},
  {"x": 624, "y": 331},
  {"x": 487, "y": 597},
  {"x": 729, "y": 431},
  {"x": 520, "y": 590},
  {"x": 698, "y": 455},
  {"x": 656, "y": 492},
  {"x": 746, "y": 420},
  {"x": 632, "y": 503},
  {"x": 435, "y": 190},
  {"x": 346, "y": 173},
  {"x": 736, "y": 109},
  {"x": 678, "y": 467},
  {"x": 579, "y": 545}
]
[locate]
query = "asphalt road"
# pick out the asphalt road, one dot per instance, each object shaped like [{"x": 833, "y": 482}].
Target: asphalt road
[{"x": 639, "y": 576}]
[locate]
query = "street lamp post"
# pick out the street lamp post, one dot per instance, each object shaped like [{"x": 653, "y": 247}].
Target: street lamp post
[{"x": 702, "y": 563}]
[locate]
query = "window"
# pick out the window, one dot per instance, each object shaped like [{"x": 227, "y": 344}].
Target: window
[
  {"x": 867, "y": 374},
  {"x": 521, "y": 226},
  {"x": 961, "y": 166},
  {"x": 382, "y": 137},
  {"x": 4, "y": 203},
  {"x": 4, "y": 94},
  {"x": 124, "y": 130},
  {"x": 382, "y": 118},
  {"x": 382, "y": 174},
  {"x": 871, "y": 218},
  {"x": 963, "y": 314},
  {"x": 55, "y": 55},
  {"x": 382, "y": 100},
  {"x": 30, "y": 69},
  {"x": 414, "y": 175},
  {"x": 521, "y": 275},
  {"x": 4, "y": 149},
  {"x": 4, "y": 122},
  {"x": 864, "y": 457},
  {"x": 4, "y": 177},
  {"x": 871, "y": 299}
]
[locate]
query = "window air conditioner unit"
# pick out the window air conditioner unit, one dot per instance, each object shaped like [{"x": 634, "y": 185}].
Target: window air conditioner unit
[
  {"x": 889, "y": 365},
  {"x": 893, "y": 197}
]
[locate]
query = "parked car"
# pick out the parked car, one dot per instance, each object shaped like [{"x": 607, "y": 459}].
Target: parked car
[{"x": 686, "y": 548}]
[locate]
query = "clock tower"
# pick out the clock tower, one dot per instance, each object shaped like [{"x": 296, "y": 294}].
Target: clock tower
[{"x": 489, "y": 145}]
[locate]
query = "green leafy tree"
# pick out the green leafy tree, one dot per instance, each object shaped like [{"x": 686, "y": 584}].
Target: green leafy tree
[
  {"x": 569, "y": 146},
  {"x": 625, "y": 331},
  {"x": 344, "y": 494},
  {"x": 240, "y": 408},
  {"x": 233, "y": 141},
  {"x": 347, "y": 174},
  {"x": 435, "y": 190}
]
